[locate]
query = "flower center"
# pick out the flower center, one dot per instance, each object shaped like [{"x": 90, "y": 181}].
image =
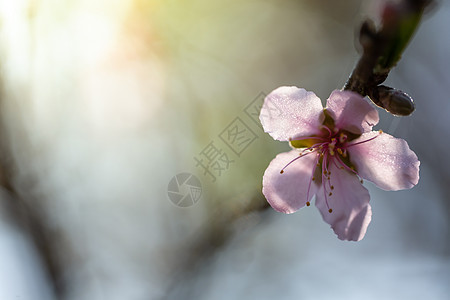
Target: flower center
[{"x": 331, "y": 148}]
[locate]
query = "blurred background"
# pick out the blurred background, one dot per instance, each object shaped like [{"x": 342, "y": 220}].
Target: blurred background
[{"x": 103, "y": 102}]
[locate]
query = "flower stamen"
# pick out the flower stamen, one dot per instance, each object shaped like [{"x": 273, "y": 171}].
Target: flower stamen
[
  {"x": 372, "y": 138},
  {"x": 307, "y": 138},
  {"x": 300, "y": 156},
  {"x": 324, "y": 173},
  {"x": 312, "y": 179},
  {"x": 328, "y": 129},
  {"x": 342, "y": 137},
  {"x": 344, "y": 166}
]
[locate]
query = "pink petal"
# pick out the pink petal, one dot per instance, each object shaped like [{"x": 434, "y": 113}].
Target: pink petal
[
  {"x": 352, "y": 112},
  {"x": 386, "y": 161},
  {"x": 289, "y": 112},
  {"x": 287, "y": 192},
  {"x": 350, "y": 203}
]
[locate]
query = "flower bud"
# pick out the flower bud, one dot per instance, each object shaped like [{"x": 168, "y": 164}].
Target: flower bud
[{"x": 394, "y": 101}]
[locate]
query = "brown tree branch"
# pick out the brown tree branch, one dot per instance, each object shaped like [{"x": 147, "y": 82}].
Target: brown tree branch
[{"x": 382, "y": 49}]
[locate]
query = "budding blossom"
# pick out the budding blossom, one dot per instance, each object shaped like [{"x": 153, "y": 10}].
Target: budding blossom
[{"x": 333, "y": 150}]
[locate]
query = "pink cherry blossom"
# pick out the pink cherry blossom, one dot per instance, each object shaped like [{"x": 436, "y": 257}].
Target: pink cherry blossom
[{"x": 333, "y": 150}]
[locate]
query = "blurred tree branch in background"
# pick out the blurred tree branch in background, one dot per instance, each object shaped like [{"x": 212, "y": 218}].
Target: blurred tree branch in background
[
  {"x": 212, "y": 237},
  {"x": 27, "y": 213}
]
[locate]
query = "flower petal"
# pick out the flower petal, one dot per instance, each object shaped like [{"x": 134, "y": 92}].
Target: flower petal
[
  {"x": 289, "y": 112},
  {"x": 386, "y": 161},
  {"x": 287, "y": 192},
  {"x": 350, "y": 204},
  {"x": 352, "y": 112}
]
